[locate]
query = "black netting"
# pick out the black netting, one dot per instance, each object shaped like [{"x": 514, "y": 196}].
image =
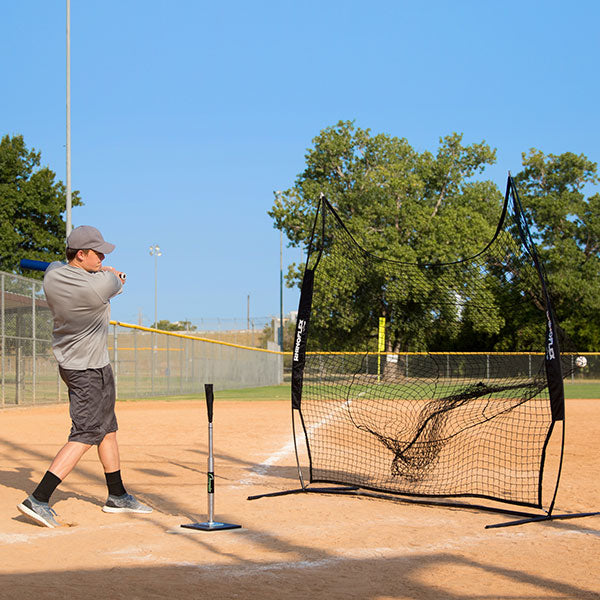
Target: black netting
[{"x": 413, "y": 420}]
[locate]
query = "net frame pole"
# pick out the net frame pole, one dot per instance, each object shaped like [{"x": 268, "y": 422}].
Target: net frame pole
[
  {"x": 296, "y": 408},
  {"x": 557, "y": 414},
  {"x": 211, "y": 524},
  {"x": 540, "y": 519},
  {"x": 303, "y": 485}
]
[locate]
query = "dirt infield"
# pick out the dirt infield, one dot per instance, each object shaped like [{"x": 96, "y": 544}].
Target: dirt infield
[{"x": 296, "y": 546}]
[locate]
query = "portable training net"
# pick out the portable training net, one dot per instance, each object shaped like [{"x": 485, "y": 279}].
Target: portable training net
[{"x": 427, "y": 423}]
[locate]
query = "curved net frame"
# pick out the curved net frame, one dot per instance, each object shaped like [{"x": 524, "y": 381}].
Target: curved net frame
[{"x": 427, "y": 423}]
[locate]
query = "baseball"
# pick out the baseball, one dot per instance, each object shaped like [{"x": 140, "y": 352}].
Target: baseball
[{"x": 581, "y": 361}]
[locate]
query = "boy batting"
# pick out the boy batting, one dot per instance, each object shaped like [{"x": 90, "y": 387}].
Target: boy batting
[{"x": 79, "y": 295}]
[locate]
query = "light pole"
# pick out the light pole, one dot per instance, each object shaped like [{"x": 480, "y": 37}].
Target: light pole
[
  {"x": 68, "y": 142},
  {"x": 155, "y": 251},
  {"x": 281, "y": 291},
  {"x": 278, "y": 194}
]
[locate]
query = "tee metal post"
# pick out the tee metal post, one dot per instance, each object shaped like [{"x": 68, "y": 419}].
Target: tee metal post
[
  {"x": 211, "y": 524},
  {"x": 210, "y": 487}
]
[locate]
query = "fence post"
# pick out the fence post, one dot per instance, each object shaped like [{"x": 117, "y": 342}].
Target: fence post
[
  {"x": 152, "y": 358},
  {"x": 181, "y": 341},
  {"x": 2, "y": 332},
  {"x": 135, "y": 363},
  {"x": 33, "y": 336},
  {"x": 192, "y": 377},
  {"x": 572, "y": 368},
  {"x": 17, "y": 357},
  {"x": 168, "y": 373}
]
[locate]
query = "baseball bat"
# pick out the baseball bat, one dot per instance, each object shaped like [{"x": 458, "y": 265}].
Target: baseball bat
[
  {"x": 33, "y": 265},
  {"x": 40, "y": 265}
]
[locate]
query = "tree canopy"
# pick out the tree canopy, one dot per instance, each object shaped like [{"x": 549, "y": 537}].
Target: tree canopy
[
  {"x": 566, "y": 228},
  {"x": 424, "y": 207},
  {"x": 166, "y": 325},
  {"x": 32, "y": 204},
  {"x": 396, "y": 200}
]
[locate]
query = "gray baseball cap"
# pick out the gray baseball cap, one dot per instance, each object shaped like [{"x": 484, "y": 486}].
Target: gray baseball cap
[{"x": 86, "y": 236}]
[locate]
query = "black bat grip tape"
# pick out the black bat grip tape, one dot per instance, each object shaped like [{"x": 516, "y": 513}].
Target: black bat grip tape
[{"x": 208, "y": 391}]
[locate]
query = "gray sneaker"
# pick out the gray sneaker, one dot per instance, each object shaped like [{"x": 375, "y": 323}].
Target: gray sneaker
[
  {"x": 38, "y": 512},
  {"x": 125, "y": 503}
]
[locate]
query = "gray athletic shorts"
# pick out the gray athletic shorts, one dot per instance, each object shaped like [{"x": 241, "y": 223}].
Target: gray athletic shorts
[{"x": 91, "y": 403}]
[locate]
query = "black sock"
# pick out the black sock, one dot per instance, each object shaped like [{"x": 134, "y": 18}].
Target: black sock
[
  {"x": 114, "y": 483},
  {"x": 46, "y": 487}
]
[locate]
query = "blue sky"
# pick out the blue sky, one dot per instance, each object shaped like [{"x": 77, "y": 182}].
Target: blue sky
[{"x": 187, "y": 115}]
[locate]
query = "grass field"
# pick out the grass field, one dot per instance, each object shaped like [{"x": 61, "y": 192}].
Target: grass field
[
  {"x": 578, "y": 390},
  {"x": 583, "y": 390},
  {"x": 271, "y": 392}
]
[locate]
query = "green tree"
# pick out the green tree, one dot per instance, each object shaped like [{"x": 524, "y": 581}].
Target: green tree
[
  {"x": 400, "y": 204},
  {"x": 32, "y": 204},
  {"x": 270, "y": 331},
  {"x": 565, "y": 224},
  {"x": 166, "y": 325}
]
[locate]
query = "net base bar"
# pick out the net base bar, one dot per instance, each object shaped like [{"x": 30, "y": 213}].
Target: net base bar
[
  {"x": 328, "y": 490},
  {"x": 543, "y": 518},
  {"x": 356, "y": 491}
]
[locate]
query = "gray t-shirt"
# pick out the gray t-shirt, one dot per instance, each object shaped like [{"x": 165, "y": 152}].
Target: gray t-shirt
[{"x": 80, "y": 305}]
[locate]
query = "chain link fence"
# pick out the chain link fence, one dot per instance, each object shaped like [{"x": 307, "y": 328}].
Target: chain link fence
[
  {"x": 453, "y": 365},
  {"x": 148, "y": 363},
  {"x": 29, "y": 373},
  {"x": 145, "y": 362}
]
